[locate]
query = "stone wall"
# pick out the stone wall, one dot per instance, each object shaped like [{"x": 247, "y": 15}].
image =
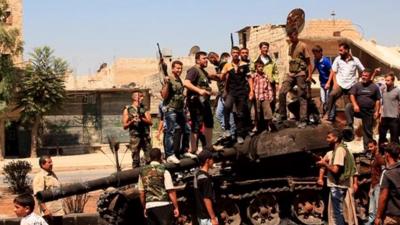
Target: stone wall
[{"x": 15, "y": 20}]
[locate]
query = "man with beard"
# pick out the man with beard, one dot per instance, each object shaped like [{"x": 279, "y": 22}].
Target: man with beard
[
  {"x": 197, "y": 82},
  {"x": 244, "y": 55},
  {"x": 344, "y": 76},
  {"x": 341, "y": 170},
  {"x": 365, "y": 104},
  {"x": 390, "y": 106},
  {"x": 219, "y": 111},
  {"x": 238, "y": 93},
  {"x": 46, "y": 179}
]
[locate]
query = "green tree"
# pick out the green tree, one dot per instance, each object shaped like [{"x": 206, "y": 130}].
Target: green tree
[
  {"x": 41, "y": 90},
  {"x": 10, "y": 46}
]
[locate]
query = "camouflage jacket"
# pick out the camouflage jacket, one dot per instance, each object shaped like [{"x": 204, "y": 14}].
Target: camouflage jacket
[
  {"x": 175, "y": 98},
  {"x": 152, "y": 177},
  {"x": 137, "y": 128}
]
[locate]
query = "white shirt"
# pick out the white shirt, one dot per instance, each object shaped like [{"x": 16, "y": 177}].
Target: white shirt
[
  {"x": 167, "y": 183},
  {"x": 33, "y": 219},
  {"x": 346, "y": 75},
  {"x": 264, "y": 59}
]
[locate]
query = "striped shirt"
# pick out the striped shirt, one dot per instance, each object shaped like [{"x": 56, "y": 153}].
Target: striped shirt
[{"x": 262, "y": 87}]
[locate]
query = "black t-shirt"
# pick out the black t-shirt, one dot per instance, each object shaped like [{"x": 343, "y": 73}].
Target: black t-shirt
[
  {"x": 203, "y": 188},
  {"x": 366, "y": 94},
  {"x": 237, "y": 84},
  {"x": 391, "y": 180},
  {"x": 193, "y": 75}
]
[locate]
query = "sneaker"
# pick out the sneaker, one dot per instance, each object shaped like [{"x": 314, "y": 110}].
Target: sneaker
[
  {"x": 240, "y": 140},
  {"x": 253, "y": 132},
  {"x": 227, "y": 134},
  {"x": 301, "y": 125},
  {"x": 189, "y": 155},
  {"x": 173, "y": 159}
]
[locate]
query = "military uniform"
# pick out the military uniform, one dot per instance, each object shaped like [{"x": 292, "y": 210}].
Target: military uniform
[
  {"x": 155, "y": 181},
  {"x": 174, "y": 117},
  {"x": 139, "y": 134},
  {"x": 199, "y": 106},
  {"x": 297, "y": 76}
]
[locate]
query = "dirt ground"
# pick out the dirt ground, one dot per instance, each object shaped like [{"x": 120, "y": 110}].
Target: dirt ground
[{"x": 7, "y": 207}]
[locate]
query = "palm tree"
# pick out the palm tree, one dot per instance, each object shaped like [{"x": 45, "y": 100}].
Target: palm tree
[{"x": 41, "y": 89}]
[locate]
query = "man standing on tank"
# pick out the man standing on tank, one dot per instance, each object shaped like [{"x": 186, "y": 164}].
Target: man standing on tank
[
  {"x": 343, "y": 76},
  {"x": 175, "y": 119},
  {"x": 300, "y": 72},
  {"x": 197, "y": 82},
  {"x": 238, "y": 93},
  {"x": 219, "y": 111}
]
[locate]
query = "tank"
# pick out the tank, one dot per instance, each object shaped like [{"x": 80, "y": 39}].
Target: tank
[{"x": 269, "y": 177}]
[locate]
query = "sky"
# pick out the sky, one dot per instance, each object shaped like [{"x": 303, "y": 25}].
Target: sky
[{"x": 89, "y": 32}]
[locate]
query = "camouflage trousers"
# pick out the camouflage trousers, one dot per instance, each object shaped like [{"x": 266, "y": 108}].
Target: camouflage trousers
[
  {"x": 136, "y": 144},
  {"x": 287, "y": 86}
]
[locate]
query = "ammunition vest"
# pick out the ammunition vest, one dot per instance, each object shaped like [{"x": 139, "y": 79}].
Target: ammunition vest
[
  {"x": 349, "y": 166},
  {"x": 202, "y": 80},
  {"x": 175, "y": 99},
  {"x": 298, "y": 63},
  {"x": 153, "y": 182},
  {"x": 137, "y": 128}
]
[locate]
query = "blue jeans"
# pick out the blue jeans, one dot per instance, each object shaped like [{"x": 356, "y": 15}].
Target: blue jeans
[
  {"x": 373, "y": 204},
  {"x": 324, "y": 94},
  {"x": 337, "y": 199},
  {"x": 175, "y": 127},
  {"x": 219, "y": 114}
]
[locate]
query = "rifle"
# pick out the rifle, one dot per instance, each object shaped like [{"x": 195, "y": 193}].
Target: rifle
[
  {"x": 232, "y": 43},
  {"x": 162, "y": 64}
]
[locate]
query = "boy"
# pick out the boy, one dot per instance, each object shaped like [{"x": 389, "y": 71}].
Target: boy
[
  {"x": 23, "y": 207},
  {"x": 263, "y": 93}
]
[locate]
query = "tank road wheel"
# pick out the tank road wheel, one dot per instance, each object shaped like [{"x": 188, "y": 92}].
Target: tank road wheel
[
  {"x": 308, "y": 208},
  {"x": 230, "y": 213},
  {"x": 264, "y": 210}
]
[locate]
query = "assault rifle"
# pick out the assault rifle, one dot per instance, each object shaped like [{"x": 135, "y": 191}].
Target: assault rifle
[{"x": 163, "y": 65}]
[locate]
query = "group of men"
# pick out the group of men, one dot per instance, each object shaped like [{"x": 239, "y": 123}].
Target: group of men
[
  {"x": 342, "y": 180},
  {"x": 248, "y": 91}
]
